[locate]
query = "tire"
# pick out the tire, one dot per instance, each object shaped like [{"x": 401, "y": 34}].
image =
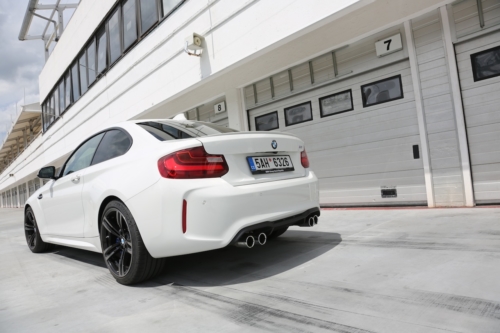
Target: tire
[
  {"x": 33, "y": 239},
  {"x": 277, "y": 232},
  {"x": 123, "y": 249}
]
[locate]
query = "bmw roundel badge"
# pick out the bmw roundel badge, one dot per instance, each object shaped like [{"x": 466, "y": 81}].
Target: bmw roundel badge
[{"x": 274, "y": 144}]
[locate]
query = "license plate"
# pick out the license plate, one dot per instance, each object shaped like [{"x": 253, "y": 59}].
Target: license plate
[{"x": 270, "y": 164}]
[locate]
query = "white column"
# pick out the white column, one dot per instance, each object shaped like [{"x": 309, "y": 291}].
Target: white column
[
  {"x": 235, "y": 110},
  {"x": 459, "y": 110},
  {"x": 417, "y": 89}
]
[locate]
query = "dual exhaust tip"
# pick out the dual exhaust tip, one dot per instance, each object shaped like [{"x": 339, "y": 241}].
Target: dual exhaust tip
[
  {"x": 249, "y": 241},
  {"x": 312, "y": 220}
]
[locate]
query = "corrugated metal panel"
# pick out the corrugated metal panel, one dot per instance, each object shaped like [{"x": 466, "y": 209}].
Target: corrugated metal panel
[
  {"x": 281, "y": 84},
  {"x": 481, "y": 102},
  {"x": 263, "y": 91},
  {"x": 466, "y": 16},
  {"x": 323, "y": 68},
  {"x": 438, "y": 108},
  {"x": 301, "y": 76},
  {"x": 355, "y": 153}
]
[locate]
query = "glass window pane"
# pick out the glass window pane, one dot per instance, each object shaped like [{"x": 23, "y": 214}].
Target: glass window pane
[
  {"x": 115, "y": 143},
  {"x": 83, "y": 72},
  {"x": 115, "y": 49},
  {"x": 486, "y": 64},
  {"x": 129, "y": 23},
  {"x": 56, "y": 103},
  {"x": 75, "y": 82},
  {"x": 101, "y": 52},
  {"x": 149, "y": 14},
  {"x": 382, "y": 91},
  {"x": 61, "y": 96},
  {"x": 51, "y": 109},
  {"x": 336, "y": 103},
  {"x": 298, "y": 114},
  {"x": 168, "y": 5},
  {"x": 82, "y": 157},
  {"x": 91, "y": 62},
  {"x": 267, "y": 122},
  {"x": 44, "y": 112},
  {"x": 67, "y": 93}
]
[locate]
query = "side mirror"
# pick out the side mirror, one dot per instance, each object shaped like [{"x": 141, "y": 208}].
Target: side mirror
[{"x": 47, "y": 173}]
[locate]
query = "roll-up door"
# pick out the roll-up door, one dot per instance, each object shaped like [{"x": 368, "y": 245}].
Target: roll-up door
[
  {"x": 478, "y": 62},
  {"x": 364, "y": 151}
]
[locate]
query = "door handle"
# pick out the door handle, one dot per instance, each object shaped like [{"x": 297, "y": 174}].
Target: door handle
[
  {"x": 75, "y": 179},
  {"x": 40, "y": 196}
]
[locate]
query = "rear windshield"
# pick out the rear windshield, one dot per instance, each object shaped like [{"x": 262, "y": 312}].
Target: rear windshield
[{"x": 184, "y": 129}]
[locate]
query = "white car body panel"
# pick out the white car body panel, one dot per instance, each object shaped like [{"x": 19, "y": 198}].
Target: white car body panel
[{"x": 217, "y": 208}]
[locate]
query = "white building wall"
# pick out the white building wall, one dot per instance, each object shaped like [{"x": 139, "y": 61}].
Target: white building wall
[{"x": 245, "y": 41}]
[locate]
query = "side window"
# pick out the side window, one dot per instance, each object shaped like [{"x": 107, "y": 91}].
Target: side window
[
  {"x": 82, "y": 157},
  {"x": 115, "y": 143}
]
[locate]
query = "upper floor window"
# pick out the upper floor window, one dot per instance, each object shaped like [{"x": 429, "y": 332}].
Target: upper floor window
[
  {"x": 82, "y": 62},
  {"x": 91, "y": 60},
  {"x": 126, "y": 24},
  {"x": 149, "y": 14},
  {"x": 129, "y": 23},
  {"x": 169, "y": 5},
  {"x": 101, "y": 51},
  {"x": 115, "y": 47}
]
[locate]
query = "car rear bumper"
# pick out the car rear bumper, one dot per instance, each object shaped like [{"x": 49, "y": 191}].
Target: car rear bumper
[{"x": 217, "y": 211}]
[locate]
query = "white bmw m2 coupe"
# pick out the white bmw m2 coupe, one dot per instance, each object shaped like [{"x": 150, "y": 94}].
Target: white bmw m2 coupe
[{"x": 145, "y": 190}]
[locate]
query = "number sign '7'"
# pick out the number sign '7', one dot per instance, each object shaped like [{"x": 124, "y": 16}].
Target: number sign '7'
[{"x": 389, "y": 45}]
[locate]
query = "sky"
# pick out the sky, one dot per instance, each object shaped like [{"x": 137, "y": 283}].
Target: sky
[{"x": 20, "y": 62}]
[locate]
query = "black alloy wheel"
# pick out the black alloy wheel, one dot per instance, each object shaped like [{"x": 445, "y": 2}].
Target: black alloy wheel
[
  {"x": 123, "y": 249},
  {"x": 117, "y": 248},
  {"x": 30, "y": 229},
  {"x": 33, "y": 238}
]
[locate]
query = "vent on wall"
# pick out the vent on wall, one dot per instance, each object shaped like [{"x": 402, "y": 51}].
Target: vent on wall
[{"x": 389, "y": 192}]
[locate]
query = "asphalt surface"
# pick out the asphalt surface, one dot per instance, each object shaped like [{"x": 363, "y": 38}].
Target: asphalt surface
[{"x": 410, "y": 270}]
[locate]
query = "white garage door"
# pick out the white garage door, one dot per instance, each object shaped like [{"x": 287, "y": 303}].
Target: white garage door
[
  {"x": 478, "y": 63},
  {"x": 357, "y": 151}
]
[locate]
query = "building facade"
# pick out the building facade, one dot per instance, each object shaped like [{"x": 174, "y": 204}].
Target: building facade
[{"x": 397, "y": 101}]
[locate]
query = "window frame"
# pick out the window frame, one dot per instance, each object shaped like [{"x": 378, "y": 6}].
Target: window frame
[
  {"x": 93, "y": 39},
  {"x": 122, "y": 27},
  {"x": 294, "y": 106},
  {"x": 159, "y": 12},
  {"x": 320, "y": 100},
  {"x": 382, "y": 80},
  {"x": 98, "y": 35},
  {"x": 165, "y": 15},
  {"x": 472, "y": 59},
  {"x": 264, "y": 115},
  {"x": 116, "y": 10},
  {"x": 84, "y": 55},
  {"x": 73, "y": 64}
]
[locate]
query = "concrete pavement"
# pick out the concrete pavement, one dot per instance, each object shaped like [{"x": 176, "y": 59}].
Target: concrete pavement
[{"x": 410, "y": 270}]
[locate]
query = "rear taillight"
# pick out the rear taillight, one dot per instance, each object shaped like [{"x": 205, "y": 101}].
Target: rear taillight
[
  {"x": 192, "y": 163},
  {"x": 304, "y": 160}
]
